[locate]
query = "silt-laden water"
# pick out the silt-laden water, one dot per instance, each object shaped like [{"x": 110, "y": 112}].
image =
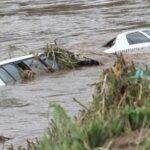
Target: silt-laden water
[{"x": 81, "y": 26}]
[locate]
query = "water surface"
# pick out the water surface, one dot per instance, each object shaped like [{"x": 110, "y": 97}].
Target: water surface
[{"x": 81, "y": 26}]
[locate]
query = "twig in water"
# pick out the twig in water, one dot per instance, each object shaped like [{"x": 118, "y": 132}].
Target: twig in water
[{"x": 80, "y": 104}]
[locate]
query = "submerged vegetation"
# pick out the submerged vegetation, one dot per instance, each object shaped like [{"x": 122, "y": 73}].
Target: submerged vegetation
[
  {"x": 60, "y": 56},
  {"x": 120, "y": 109}
]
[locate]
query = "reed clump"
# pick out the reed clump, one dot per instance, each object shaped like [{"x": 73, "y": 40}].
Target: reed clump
[
  {"x": 60, "y": 56},
  {"x": 120, "y": 106}
]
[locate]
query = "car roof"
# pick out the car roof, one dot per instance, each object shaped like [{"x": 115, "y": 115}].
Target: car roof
[
  {"x": 130, "y": 39},
  {"x": 21, "y": 58}
]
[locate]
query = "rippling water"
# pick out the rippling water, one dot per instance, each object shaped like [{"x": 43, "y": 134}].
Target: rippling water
[{"x": 81, "y": 26}]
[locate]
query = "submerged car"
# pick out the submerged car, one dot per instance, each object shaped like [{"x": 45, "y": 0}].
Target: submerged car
[
  {"x": 25, "y": 67},
  {"x": 11, "y": 70},
  {"x": 135, "y": 41}
]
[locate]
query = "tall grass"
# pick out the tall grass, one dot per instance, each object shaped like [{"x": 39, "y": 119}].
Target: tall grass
[{"x": 121, "y": 105}]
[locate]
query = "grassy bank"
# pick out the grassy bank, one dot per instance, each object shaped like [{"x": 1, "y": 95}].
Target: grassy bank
[{"x": 117, "y": 118}]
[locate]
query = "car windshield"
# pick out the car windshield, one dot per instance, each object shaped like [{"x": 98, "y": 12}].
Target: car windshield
[
  {"x": 137, "y": 38},
  {"x": 147, "y": 32}
]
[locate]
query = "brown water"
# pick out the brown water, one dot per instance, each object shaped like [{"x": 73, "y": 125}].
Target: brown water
[{"x": 81, "y": 26}]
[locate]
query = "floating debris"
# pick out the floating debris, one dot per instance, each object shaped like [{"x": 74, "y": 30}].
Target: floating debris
[
  {"x": 3, "y": 139},
  {"x": 27, "y": 75},
  {"x": 53, "y": 58}
]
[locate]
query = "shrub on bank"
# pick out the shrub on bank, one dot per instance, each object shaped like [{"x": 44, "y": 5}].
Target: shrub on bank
[{"x": 120, "y": 106}]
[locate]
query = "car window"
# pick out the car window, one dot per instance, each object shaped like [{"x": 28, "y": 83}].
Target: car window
[
  {"x": 50, "y": 62},
  {"x": 147, "y": 32},
  {"x": 13, "y": 71},
  {"x": 5, "y": 76},
  {"x": 34, "y": 64},
  {"x": 22, "y": 66},
  {"x": 136, "y": 38},
  {"x": 29, "y": 62},
  {"x": 47, "y": 61}
]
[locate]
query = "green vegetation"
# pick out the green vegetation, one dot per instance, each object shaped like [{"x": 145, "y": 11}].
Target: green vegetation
[{"x": 120, "y": 107}]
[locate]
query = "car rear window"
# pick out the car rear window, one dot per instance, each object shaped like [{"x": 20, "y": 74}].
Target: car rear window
[
  {"x": 13, "y": 71},
  {"x": 137, "y": 38},
  {"x": 5, "y": 76},
  {"x": 147, "y": 32}
]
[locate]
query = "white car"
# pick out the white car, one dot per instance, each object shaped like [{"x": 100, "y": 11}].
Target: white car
[
  {"x": 10, "y": 70},
  {"x": 135, "y": 41}
]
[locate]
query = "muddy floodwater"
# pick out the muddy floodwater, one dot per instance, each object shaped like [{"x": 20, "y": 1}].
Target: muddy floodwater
[{"x": 81, "y": 26}]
